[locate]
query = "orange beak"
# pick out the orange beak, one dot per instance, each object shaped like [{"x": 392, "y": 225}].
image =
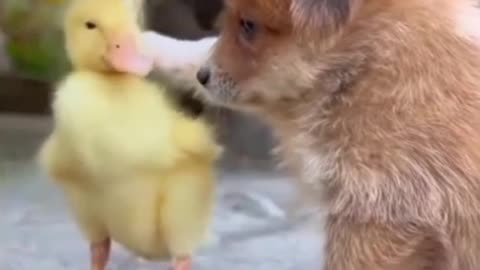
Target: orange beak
[{"x": 125, "y": 56}]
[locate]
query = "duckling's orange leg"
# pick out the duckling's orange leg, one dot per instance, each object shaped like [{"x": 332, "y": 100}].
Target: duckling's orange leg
[
  {"x": 182, "y": 263},
  {"x": 100, "y": 254}
]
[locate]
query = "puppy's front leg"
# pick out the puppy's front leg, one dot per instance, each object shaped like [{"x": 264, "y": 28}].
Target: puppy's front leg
[
  {"x": 375, "y": 246},
  {"x": 177, "y": 61}
]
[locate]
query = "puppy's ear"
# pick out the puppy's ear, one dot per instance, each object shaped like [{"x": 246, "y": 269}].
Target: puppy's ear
[{"x": 321, "y": 15}]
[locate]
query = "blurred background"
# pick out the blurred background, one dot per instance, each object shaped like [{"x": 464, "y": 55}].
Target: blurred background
[{"x": 32, "y": 59}]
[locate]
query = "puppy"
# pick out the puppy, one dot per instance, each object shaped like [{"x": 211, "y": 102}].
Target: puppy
[
  {"x": 376, "y": 104},
  {"x": 377, "y": 107}
]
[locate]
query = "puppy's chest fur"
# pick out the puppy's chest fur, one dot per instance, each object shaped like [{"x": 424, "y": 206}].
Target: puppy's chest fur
[{"x": 313, "y": 166}]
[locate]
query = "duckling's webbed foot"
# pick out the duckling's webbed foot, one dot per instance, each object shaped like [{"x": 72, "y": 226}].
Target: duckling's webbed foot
[
  {"x": 182, "y": 263},
  {"x": 100, "y": 254}
]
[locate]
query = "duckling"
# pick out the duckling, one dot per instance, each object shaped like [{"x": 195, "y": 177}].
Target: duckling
[{"x": 133, "y": 168}]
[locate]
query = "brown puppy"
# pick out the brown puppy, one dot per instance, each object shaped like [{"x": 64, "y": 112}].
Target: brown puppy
[{"x": 377, "y": 107}]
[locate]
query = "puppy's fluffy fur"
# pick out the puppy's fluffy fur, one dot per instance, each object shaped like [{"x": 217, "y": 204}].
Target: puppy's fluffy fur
[{"x": 377, "y": 107}]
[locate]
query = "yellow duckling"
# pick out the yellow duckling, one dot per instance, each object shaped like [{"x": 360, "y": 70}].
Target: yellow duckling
[{"x": 134, "y": 169}]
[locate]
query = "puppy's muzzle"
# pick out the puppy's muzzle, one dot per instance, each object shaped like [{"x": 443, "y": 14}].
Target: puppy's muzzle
[{"x": 203, "y": 75}]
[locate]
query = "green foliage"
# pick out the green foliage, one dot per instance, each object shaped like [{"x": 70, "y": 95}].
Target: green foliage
[
  {"x": 43, "y": 59},
  {"x": 35, "y": 40}
]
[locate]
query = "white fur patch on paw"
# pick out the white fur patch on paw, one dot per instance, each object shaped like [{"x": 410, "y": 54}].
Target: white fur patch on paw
[{"x": 468, "y": 21}]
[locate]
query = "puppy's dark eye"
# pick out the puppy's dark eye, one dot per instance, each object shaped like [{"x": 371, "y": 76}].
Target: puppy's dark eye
[
  {"x": 90, "y": 25},
  {"x": 249, "y": 29}
]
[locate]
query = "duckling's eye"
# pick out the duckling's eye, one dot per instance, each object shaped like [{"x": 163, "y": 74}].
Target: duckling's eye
[
  {"x": 90, "y": 25},
  {"x": 249, "y": 29}
]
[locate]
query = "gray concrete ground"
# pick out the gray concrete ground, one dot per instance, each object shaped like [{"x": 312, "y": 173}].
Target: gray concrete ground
[{"x": 36, "y": 232}]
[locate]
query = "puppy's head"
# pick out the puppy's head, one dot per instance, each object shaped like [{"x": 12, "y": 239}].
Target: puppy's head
[{"x": 267, "y": 50}]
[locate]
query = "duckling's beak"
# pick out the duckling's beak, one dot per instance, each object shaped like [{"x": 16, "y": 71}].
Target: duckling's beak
[{"x": 124, "y": 55}]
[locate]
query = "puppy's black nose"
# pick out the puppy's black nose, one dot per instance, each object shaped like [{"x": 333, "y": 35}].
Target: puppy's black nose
[{"x": 203, "y": 75}]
